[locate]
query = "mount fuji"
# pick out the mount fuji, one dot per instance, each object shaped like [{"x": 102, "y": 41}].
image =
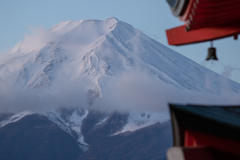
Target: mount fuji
[{"x": 102, "y": 87}]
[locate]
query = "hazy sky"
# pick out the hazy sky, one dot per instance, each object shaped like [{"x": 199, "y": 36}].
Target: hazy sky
[{"x": 152, "y": 17}]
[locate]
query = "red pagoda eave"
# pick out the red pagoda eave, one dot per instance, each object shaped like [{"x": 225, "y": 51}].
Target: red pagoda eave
[
  {"x": 194, "y": 138},
  {"x": 179, "y": 35},
  {"x": 206, "y": 20},
  {"x": 205, "y": 132}
]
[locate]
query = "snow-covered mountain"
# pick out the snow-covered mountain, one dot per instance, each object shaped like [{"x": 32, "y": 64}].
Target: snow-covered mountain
[
  {"x": 80, "y": 66},
  {"x": 101, "y": 50}
]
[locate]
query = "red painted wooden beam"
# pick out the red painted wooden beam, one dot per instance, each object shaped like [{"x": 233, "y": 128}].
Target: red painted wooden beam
[
  {"x": 212, "y": 15},
  {"x": 179, "y": 35},
  {"x": 188, "y": 11},
  {"x": 217, "y": 22},
  {"x": 196, "y": 139},
  {"x": 213, "y": 5},
  {"x": 207, "y": 20},
  {"x": 199, "y": 153}
]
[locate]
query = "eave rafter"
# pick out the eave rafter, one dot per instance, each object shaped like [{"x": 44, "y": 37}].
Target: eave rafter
[{"x": 201, "y": 17}]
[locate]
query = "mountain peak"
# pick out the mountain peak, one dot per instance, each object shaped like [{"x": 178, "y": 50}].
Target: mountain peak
[
  {"x": 103, "y": 51},
  {"x": 66, "y": 26},
  {"x": 114, "y": 19}
]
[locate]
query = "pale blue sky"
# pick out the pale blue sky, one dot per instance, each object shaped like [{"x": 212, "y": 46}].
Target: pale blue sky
[{"x": 152, "y": 17}]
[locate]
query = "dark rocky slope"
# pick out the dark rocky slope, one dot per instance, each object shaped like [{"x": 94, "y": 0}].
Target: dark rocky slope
[{"x": 35, "y": 137}]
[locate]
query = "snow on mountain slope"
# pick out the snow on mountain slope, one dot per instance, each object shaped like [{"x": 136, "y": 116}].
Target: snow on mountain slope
[
  {"x": 71, "y": 123},
  {"x": 102, "y": 52},
  {"x": 137, "y": 121},
  {"x": 14, "y": 118}
]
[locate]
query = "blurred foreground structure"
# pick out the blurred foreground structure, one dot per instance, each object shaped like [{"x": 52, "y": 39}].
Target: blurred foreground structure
[
  {"x": 205, "y": 132},
  {"x": 205, "y": 20}
]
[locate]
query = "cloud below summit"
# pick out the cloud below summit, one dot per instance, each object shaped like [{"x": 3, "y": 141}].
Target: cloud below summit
[{"x": 133, "y": 91}]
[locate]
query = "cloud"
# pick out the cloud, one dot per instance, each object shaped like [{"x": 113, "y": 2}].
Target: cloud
[
  {"x": 37, "y": 38},
  {"x": 66, "y": 93},
  {"x": 229, "y": 72},
  {"x": 137, "y": 91},
  {"x": 130, "y": 91}
]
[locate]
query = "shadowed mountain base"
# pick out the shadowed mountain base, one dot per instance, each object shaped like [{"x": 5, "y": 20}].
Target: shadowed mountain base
[
  {"x": 147, "y": 143},
  {"x": 36, "y": 137}
]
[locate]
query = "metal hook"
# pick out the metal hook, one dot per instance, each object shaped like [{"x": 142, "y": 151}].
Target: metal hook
[{"x": 211, "y": 43}]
